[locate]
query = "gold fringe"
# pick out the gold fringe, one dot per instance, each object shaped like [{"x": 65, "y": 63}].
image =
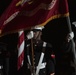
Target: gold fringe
[
  {"x": 0, "y": 31},
  {"x": 19, "y": 3},
  {"x": 43, "y": 24},
  {"x": 54, "y": 17}
]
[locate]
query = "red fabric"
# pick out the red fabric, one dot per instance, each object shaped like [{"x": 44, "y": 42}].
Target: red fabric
[{"x": 31, "y": 14}]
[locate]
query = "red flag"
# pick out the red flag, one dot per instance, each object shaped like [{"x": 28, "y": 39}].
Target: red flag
[
  {"x": 21, "y": 44},
  {"x": 31, "y": 13}
]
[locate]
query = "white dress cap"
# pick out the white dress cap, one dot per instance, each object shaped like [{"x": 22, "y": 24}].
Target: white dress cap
[{"x": 38, "y": 27}]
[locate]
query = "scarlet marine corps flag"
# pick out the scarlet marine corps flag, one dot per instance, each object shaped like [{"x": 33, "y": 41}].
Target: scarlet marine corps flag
[{"x": 23, "y": 14}]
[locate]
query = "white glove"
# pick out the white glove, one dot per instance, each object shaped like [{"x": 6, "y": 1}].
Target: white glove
[
  {"x": 70, "y": 36},
  {"x": 74, "y": 23},
  {"x": 30, "y": 35}
]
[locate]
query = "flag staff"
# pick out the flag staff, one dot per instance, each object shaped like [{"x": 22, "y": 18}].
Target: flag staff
[{"x": 73, "y": 43}]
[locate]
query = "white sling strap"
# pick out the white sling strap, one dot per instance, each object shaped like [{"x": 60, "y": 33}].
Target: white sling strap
[
  {"x": 29, "y": 61},
  {"x": 40, "y": 64},
  {"x": 28, "y": 57}
]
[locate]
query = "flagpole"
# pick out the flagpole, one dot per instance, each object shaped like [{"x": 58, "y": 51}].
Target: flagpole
[
  {"x": 73, "y": 43},
  {"x": 33, "y": 64}
]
